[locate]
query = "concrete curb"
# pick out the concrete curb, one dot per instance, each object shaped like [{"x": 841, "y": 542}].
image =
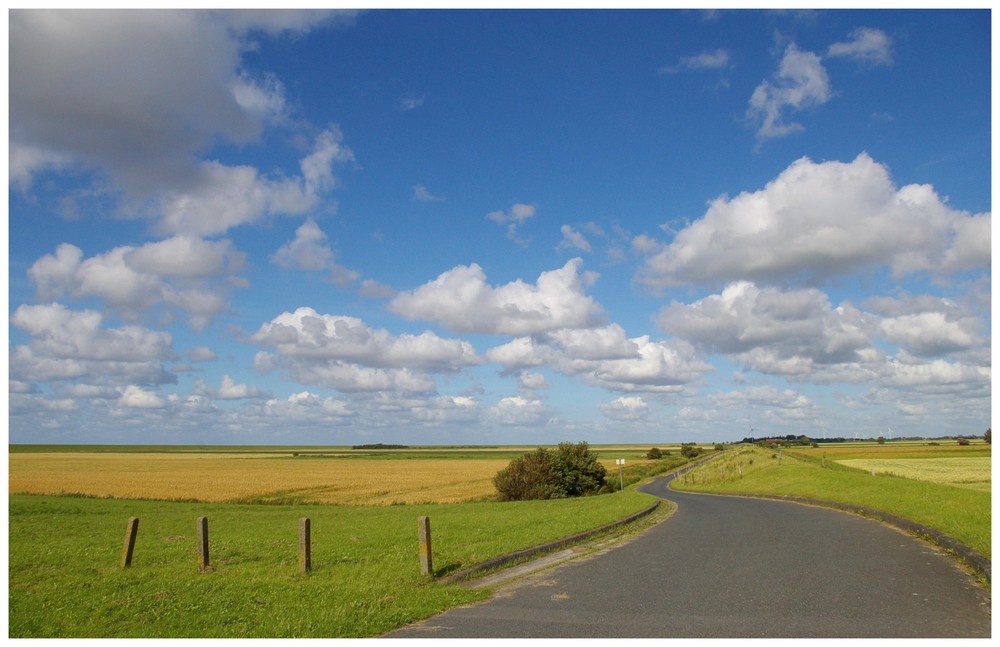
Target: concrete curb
[
  {"x": 978, "y": 562},
  {"x": 503, "y": 560}
]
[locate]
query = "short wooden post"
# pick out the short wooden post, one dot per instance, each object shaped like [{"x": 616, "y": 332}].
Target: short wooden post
[
  {"x": 131, "y": 530},
  {"x": 305, "y": 545},
  {"x": 424, "y": 532},
  {"x": 203, "y": 563}
]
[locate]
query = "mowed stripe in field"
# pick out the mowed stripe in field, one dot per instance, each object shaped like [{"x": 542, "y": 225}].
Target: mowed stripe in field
[
  {"x": 974, "y": 473},
  {"x": 237, "y": 477}
]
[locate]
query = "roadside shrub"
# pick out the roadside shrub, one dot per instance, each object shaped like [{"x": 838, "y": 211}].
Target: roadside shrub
[
  {"x": 529, "y": 477},
  {"x": 689, "y": 450},
  {"x": 654, "y": 454},
  {"x": 579, "y": 472},
  {"x": 569, "y": 470}
]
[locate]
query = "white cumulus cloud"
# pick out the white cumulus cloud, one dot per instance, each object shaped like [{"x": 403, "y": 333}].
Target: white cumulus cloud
[
  {"x": 74, "y": 346},
  {"x": 801, "y": 82},
  {"x": 137, "y": 94},
  {"x": 932, "y": 333},
  {"x": 817, "y": 220},
  {"x": 606, "y": 358},
  {"x": 229, "y": 389},
  {"x": 513, "y": 219},
  {"x": 572, "y": 239},
  {"x": 134, "y": 397},
  {"x": 707, "y": 60},
  {"x": 626, "y": 408},
  {"x": 310, "y": 251},
  {"x": 519, "y": 411},
  {"x": 181, "y": 273},
  {"x": 773, "y": 331},
  {"x": 462, "y": 301},
  {"x": 62, "y": 334},
  {"x": 867, "y": 45},
  {"x": 221, "y": 197},
  {"x": 342, "y": 352}
]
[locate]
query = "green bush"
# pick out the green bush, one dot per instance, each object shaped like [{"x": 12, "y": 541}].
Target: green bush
[
  {"x": 689, "y": 450},
  {"x": 569, "y": 470},
  {"x": 654, "y": 454},
  {"x": 529, "y": 477}
]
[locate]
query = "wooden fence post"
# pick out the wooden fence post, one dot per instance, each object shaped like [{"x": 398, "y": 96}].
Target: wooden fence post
[
  {"x": 202, "y": 533},
  {"x": 424, "y": 533},
  {"x": 305, "y": 545},
  {"x": 131, "y": 530}
]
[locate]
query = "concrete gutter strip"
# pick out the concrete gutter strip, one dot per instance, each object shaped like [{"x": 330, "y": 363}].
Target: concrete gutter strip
[
  {"x": 979, "y": 563},
  {"x": 503, "y": 560}
]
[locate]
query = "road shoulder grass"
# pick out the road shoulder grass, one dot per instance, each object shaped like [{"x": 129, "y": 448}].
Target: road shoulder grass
[
  {"x": 959, "y": 513},
  {"x": 65, "y": 579}
]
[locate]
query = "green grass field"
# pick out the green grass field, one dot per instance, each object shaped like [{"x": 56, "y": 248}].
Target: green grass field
[
  {"x": 64, "y": 552},
  {"x": 66, "y": 581},
  {"x": 961, "y": 513}
]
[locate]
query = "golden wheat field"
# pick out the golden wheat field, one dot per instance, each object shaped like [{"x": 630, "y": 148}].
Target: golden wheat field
[
  {"x": 218, "y": 477},
  {"x": 972, "y": 473}
]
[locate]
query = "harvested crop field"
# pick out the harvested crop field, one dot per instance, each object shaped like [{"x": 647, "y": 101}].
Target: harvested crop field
[
  {"x": 972, "y": 473},
  {"x": 243, "y": 478}
]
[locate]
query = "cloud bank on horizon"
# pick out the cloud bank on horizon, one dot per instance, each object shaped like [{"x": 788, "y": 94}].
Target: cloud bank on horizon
[{"x": 497, "y": 227}]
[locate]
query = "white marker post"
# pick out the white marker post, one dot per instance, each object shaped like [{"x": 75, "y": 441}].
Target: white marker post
[{"x": 620, "y": 462}]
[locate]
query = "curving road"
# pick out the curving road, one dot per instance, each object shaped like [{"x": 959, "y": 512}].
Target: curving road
[{"x": 729, "y": 567}]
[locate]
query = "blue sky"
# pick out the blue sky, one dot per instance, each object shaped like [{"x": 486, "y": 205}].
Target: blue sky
[{"x": 498, "y": 227}]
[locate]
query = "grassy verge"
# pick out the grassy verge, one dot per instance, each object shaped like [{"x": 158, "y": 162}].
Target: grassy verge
[
  {"x": 960, "y": 513},
  {"x": 641, "y": 469},
  {"x": 65, "y": 580}
]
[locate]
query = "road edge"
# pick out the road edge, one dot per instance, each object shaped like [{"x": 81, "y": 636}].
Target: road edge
[
  {"x": 527, "y": 553},
  {"x": 973, "y": 559},
  {"x": 501, "y": 561}
]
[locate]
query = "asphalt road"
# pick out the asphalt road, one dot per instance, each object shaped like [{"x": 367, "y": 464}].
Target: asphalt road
[{"x": 730, "y": 567}]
